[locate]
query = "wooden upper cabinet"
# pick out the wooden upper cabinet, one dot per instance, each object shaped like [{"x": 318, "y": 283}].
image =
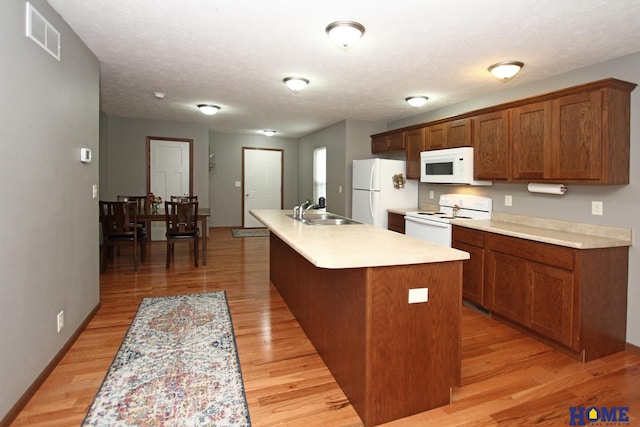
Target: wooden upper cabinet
[
  {"x": 414, "y": 144},
  {"x": 387, "y": 142},
  {"x": 579, "y": 134},
  {"x": 459, "y": 133},
  {"x": 530, "y": 139},
  {"x": 435, "y": 137},
  {"x": 451, "y": 134},
  {"x": 577, "y": 147},
  {"x": 491, "y": 145}
]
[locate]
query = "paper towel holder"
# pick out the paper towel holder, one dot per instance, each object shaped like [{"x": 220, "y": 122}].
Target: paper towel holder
[{"x": 546, "y": 188}]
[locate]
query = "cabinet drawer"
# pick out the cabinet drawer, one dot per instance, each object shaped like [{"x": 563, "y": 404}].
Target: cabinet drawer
[
  {"x": 556, "y": 256},
  {"x": 468, "y": 236}
]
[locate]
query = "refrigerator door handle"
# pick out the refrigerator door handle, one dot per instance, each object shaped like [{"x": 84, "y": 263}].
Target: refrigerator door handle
[
  {"x": 371, "y": 206},
  {"x": 373, "y": 170}
]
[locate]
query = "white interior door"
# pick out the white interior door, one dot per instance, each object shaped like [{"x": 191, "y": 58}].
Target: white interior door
[
  {"x": 169, "y": 168},
  {"x": 262, "y": 182}
]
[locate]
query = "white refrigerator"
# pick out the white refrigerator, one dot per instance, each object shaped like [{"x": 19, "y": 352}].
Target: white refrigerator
[{"x": 374, "y": 191}]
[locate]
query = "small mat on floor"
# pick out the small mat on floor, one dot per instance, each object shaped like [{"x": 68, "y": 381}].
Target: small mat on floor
[
  {"x": 178, "y": 365},
  {"x": 250, "y": 232}
]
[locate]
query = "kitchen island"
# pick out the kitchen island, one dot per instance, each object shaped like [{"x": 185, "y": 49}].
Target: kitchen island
[{"x": 350, "y": 287}]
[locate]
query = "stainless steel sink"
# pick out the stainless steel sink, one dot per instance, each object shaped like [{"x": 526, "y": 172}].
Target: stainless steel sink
[
  {"x": 331, "y": 221},
  {"x": 325, "y": 219}
]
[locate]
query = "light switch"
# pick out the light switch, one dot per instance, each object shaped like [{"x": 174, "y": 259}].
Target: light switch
[
  {"x": 238, "y": 184},
  {"x": 418, "y": 295},
  {"x": 94, "y": 188}
]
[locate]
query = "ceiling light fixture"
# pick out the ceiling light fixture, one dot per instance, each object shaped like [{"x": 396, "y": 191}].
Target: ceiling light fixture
[
  {"x": 208, "y": 109},
  {"x": 345, "y": 33},
  {"x": 417, "y": 101},
  {"x": 269, "y": 132},
  {"x": 296, "y": 84},
  {"x": 506, "y": 70},
  {"x": 158, "y": 95}
]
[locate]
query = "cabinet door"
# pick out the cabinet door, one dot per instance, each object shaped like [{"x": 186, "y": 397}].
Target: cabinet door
[
  {"x": 505, "y": 282},
  {"x": 491, "y": 145},
  {"x": 436, "y": 137},
  {"x": 395, "y": 222},
  {"x": 576, "y": 152},
  {"x": 414, "y": 143},
  {"x": 379, "y": 144},
  {"x": 550, "y": 303},
  {"x": 459, "y": 133},
  {"x": 530, "y": 140},
  {"x": 396, "y": 141},
  {"x": 472, "y": 273}
]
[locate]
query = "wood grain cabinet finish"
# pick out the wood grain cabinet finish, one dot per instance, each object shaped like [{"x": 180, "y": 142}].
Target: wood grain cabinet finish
[
  {"x": 471, "y": 241},
  {"x": 575, "y": 299},
  {"x": 491, "y": 146},
  {"x": 384, "y": 143},
  {"x": 414, "y": 145},
  {"x": 395, "y": 222},
  {"x": 580, "y": 134},
  {"x": 449, "y": 134}
]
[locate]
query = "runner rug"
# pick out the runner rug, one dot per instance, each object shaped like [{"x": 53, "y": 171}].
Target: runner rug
[
  {"x": 250, "y": 232},
  {"x": 178, "y": 365}
]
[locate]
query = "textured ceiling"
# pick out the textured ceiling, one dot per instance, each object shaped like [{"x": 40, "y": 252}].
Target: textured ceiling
[{"x": 235, "y": 54}]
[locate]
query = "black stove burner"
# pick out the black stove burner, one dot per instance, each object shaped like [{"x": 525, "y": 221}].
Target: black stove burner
[{"x": 430, "y": 213}]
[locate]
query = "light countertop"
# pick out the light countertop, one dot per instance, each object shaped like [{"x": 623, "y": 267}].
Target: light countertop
[
  {"x": 353, "y": 246},
  {"x": 562, "y": 233}
]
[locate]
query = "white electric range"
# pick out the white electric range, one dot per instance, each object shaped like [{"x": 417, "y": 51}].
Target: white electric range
[{"x": 435, "y": 227}]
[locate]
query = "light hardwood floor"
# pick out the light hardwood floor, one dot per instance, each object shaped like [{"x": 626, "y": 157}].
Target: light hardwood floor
[{"x": 507, "y": 378}]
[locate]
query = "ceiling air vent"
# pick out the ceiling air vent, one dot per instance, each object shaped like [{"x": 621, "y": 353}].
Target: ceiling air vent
[{"x": 40, "y": 31}]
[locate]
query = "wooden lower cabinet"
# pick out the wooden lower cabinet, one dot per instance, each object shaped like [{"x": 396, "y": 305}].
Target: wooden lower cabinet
[
  {"x": 471, "y": 241},
  {"x": 395, "y": 222},
  {"x": 392, "y": 359},
  {"x": 576, "y": 298}
]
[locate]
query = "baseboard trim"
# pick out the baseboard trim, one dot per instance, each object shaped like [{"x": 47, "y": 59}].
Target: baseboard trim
[
  {"x": 634, "y": 349},
  {"x": 27, "y": 395}
]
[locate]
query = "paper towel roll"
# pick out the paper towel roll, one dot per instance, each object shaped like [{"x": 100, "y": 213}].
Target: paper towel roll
[{"x": 537, "y": 187}]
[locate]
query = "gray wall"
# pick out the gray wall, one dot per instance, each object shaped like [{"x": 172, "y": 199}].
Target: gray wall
[
  {"x": 345, "y": 141},
  {"x": 49, "y": 240},
  {"x": 620, "y": 201},
  {"x": 125, "y": 163},
  {"x": 226, "y": 198}
]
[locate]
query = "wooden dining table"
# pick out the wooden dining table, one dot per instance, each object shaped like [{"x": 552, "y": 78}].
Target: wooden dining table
[{"x": 203, "y": 216}]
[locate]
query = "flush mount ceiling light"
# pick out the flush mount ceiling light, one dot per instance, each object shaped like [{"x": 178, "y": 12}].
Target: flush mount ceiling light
[
  {"x": 158, "y": 95},
  {"x": 296, "y": 84},
  {"x": 417, "y": 101},
  {"x": 345, "y": 33},
  {"x": 269, "y": 132},
  {"x": 208, "y": 109},
  {"x": 506, "y": 70}
]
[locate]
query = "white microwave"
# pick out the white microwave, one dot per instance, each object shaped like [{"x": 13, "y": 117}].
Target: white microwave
[{"x": 449, "y": 166}]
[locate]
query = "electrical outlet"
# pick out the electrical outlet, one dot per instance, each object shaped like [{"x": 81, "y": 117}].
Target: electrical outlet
[
  {"x": 508, "y": 200},
  {"x": 94, "y": 189},
  {"x": 597, "y": 208},
  {"x": 60, "y": 320},
  {"x": 418, "y": 295},
  {"x": 431, "y": 195},
  {"x": 340, "y": 189}
]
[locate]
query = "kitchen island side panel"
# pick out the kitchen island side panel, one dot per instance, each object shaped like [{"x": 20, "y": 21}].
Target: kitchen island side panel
[{"x": 391, "y": 358}]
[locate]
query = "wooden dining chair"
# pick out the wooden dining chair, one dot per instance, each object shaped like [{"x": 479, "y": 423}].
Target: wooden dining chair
[
  {"x": 182, "y": 226},
  {"x": 119, "y": 228}
]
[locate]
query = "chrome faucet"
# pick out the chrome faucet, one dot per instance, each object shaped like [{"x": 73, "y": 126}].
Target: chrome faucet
[
  {"x": 456, "y": 208},
  {"x": 305, "y": 207}
]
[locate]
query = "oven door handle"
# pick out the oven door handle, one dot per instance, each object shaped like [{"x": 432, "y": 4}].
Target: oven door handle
[{"x": 427, "y": 222}]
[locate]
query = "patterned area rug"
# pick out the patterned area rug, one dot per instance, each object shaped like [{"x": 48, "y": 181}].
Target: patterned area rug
[
  {"x": 250, "y": 232},
  {"x": 178, "y": 366}
]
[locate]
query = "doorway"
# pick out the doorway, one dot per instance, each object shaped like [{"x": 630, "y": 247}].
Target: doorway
[
  {"x": 261, "y": 182},
  {"x": 169, "y": 172}
]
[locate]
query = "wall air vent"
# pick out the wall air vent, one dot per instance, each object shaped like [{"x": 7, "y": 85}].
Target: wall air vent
[{"x": 42, "y": 32}]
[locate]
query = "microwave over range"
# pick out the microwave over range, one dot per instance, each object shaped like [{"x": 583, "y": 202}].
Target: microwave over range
[{"x": 448, "y": 166}]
